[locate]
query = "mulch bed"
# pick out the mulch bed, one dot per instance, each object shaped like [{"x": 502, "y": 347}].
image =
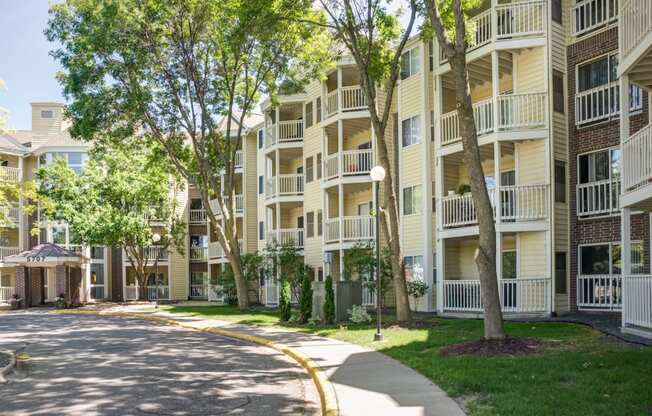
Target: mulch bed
[{"x": 493, "y": 348}]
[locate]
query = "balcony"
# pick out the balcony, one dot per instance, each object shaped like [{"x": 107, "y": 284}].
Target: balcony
[
  {"x": 284, "y": 132},
  {"x": 284, "y": 185},
  {"x": 637, "y": 291},
  {"x": 199, "y": 291},
  {"x": 150, "y": 253},
  {"x": 237, "y": 209},
  {"x": 285, "y": 236},
  {"x": 198, "y": 254},
  {"x": 344, "y": 99},
  {"x": 637, "y": 164},
  {"x": 505, "y": 22},
  {"x": 515, "y": 112},
  {"x": 348, "y": 163},
  {"x": 635, "y": 36},
  {"x": 520, "y": 295},
  {"x": 350, "y": 229},
  {"x": 8, "y": 174},
  {"x": 598, "y": 198},
  {"x": 215, "y": 250},
  {"x": 12, "y": 214},
  {"x": 599, "y": 291},
  {"x": 518, "y": 204},
  {"x": 589, "y": 15},
  {"x": 603, "y": 102},
  {"x": 197, "y": 216}
]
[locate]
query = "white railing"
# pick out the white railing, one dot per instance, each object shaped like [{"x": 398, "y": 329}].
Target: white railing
[
  {"x": 290, "y": 184},
  {"x": 271, "y": 292},
  {"x": 588, "y": 15},
  {"x": 6, "y": 292},
  {"x": 598, "y": 198},
  {"x": 131, "y": 292},
  {"x": 357, "y": 227},
  {"x": 357, "y": 162},
  {"x": 458, "y": 210},
  {"x": 77, "y": 248},
  {"x": 368, "y": 296},
  {"x": 287, "y": 236},
  {"x": 520, "y": 19},
  {"x": 484, "y": 122},
  {"x": 158, "y": 292},
  {"x": 332, "y": 166},
  {"x": 270, "y": 135},
  {"x": 238, "y": 208},
  {"x": 637, "y": 301},
  {"x": 198, "y": 253},
  {"x": 353, "y": 98},
  {"x": 8, "y": 174},
  {"x": 215, "y": 293},
  {"x": 480, "y": 27},
  {"x": 155, "y": 252},
  {"x": 518, "y": 111},
  {"x": 637, "y": 159},
  {"x": 599, "y": 291},
  {"x": 12, "y": 214},
  {"x": 215, "y": 249},
  {"x": 270, "y": 187},
  {"x": 522, "y": 295},
  {"x": 332, "y": 229},
  {"x": 524, "y": 202},
  {"x": 197, "y": 216},
  {"x": 603, "y": 102},
  {"x": 635, "y": 24},
  {"x": 238, "y": 159},
  {"x": 290, "y": 131},
  {"x": 198, "y": 291},
  {"x": 331, "y": 103}
]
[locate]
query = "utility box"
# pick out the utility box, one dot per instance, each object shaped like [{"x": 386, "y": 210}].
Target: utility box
[
  {"x": 347, "y": 294},
  {"x": 318, "y": 296}
]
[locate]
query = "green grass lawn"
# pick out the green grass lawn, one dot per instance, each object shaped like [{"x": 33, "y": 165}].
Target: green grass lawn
[{"x": 579, "y": 371}]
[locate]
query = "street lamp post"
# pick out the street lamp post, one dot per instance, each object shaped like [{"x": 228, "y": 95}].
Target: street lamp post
[
  {"x": 156, "y": 237},
  {"x": 377, "y": 175}
]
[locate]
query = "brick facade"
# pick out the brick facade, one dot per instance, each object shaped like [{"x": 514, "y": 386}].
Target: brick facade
[{"x": 601, "y": 135}]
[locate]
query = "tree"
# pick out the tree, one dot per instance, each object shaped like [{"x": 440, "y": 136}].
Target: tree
[
  {"x": 329, "y": 301},
  {"x": 121, "y": 198},
  {"x": 373, "y": 37},
  {"x": 172, "y": 69},
  {"x": 305, "y": 296},
  {"x": 360, "y": 259},
  {"x": 447, "y": 18}
]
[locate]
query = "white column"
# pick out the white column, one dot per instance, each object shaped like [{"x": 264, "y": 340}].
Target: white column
[
  {"x": 497, "y": 203},
  {"x": 440, "y": 244},
  {"x": 340, "y": 187},
  {"x": 21, "y": 219},
  {"x": 427, "y": 181},
  {"x": 495, "y": 83},
  {"x": 625, "y": 253},
  {"x": 276, "y": 123},
  {"x": 340, "y": 147},
  {"x": 339, "y": 88},
  {"x": 341, "y": 264}
]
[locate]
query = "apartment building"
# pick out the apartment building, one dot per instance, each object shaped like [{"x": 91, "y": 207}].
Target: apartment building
[{"x": 109, "y": 275}]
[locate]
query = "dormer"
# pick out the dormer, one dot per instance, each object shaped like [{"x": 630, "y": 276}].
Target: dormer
[{"x": 47, "y": 121}]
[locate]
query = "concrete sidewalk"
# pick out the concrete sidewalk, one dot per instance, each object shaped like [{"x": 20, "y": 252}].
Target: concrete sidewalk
[{"x": 366, "y": 382}]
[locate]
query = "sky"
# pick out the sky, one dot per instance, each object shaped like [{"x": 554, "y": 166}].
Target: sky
[{"x": 25, "y": 65}]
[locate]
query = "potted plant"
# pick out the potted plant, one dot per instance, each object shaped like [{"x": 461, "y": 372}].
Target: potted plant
[
  {"x": 60, "y": 301},
  {"x": 416, "y": 289},
  {"x": 15, "y": 301}
]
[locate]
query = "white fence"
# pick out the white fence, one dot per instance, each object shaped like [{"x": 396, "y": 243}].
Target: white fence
[
  {"x": 599, "y": 291},
  {"x": 637, "y": 159},
  {"x": 197, "y": 216},
  {"x": 6, "y": 292},
  {"x": 603, "y": 102},
  {"x": 635, "y": 23},
  {"x": 198, "y": 253},
  {"x": 588, "y": 15},
  {"x": 637, "y": 301},
  {"x": 522, "y": 295},
  {"x": 287, "y": 236},
  {"x": 598, "y": 198},
  {"x": 8, "y": 174}
]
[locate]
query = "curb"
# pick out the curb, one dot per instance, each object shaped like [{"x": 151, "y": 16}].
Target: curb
[
  {"x": 324, "y": 387},
  {"x": 6, "y": 369}
]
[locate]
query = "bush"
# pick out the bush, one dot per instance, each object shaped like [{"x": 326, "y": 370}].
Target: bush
[
  {"x": 284, "y": 300},
  {"x": 305, "y": 298},
  {"x": 358, "y": 315},
  {"x": 417, "y": 288},
  {"x": 329, "y": 301}
]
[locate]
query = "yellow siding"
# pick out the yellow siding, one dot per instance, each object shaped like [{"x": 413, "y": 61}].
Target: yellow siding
[
  {"x": 528, "y": 67},
  {"x": 533, "y": 254},
  {"x": 251, "y": 185},
  {"x": 531, "y": 162},
  {"x": 178, "y": 267}
]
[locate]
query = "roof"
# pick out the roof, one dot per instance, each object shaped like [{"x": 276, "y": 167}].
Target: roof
[
  {"x": 250, "y": 121},
  {"x": 9, "y": 143},
  {"x": 62, "y": 139},
  {"x": 46, "y": 255}
]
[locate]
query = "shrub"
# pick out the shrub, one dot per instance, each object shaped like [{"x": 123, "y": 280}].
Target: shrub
[
  {"x": 284, "y": 300},
  {"x": 329, "y": 301},
  {"x": 417, "y": 288},
  {"x": 305, "y": 298},
  {"x": 358, "y": 315}
]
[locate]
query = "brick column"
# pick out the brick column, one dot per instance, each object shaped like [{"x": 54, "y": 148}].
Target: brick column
[
  {"x": 21, "y": 284},
  {"x": 60, "y": 281},
  {"x": 36, "y": 286}
]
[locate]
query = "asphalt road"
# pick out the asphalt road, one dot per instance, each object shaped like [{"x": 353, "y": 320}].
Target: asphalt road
[{"x": 84, "y": 365}]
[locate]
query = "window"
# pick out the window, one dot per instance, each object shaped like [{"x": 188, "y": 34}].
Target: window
[
  {"x": 413, "y": 268},
  {"x": 410, "y": 63},
  {"x": 319, "y": 168},
  {"x": 74, "y": 160},
  {"x": 5, "y": 280},
  {"x": 412, "y": 200},
  {"x": 509, "y": 264},
  {"x": 261, "y": 138},
  {"x": 309, "y": 170},
  {"x": 97, "y": 253},
  {"x": 560, "y": 273},
  {"x": 603, "y": 259},
  {"x": 318, "y": 109},
  {"x": 47, "y": 114},
  {"x": 260, "y": 185},
  {"x": 560, "y": 181},
  {"x": 365, "y": 208},
  {"x": 310, "y": 224},
  {"x": 308, "y": 114},
  {"x": 59, "y": 235},
  {"x": 558, "y": 91},
  {"x": 97, "y": 281},
  {"x": 599, "y": 166},
  {"x": 411, "y": 131},
  {"x": 320, "y": 220},
  {"x": 320, "y": 274},
  {"x": 261, "y": 230},
  {"x": 556, "y": 11}
]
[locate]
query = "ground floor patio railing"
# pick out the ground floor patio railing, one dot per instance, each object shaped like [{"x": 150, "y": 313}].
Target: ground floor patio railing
[
  {"x": 6, "y": 292},
  {"x": 599, "y": 291},
  {"x": 523, "y": 295},
  {"x": 637, "y": 301}
]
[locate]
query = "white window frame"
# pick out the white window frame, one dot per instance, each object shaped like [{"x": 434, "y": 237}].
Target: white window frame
[
  {"x": 409, "y": 262},
  {"x": 413, "y": 56},
  {"x": 610, "y": 244},
  {"x": 593, "y": 152},
  {"x": 415, "y": 133},
  {"x": 415, "y": 204}
]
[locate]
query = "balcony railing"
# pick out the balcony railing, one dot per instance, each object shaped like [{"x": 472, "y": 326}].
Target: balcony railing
[
  {"x": 284, "y": 185},
  {"x": 238, "y": 159},
  {"x": 589, "y": 15},
  {"x": 198, "y": 291},
  {"x": 158, "y": 292},
  {"x": 352, "y": 99},
  {"x": 513, "y": 20},
  {"x": 198, "y": 253},
  {"x": 518, "y": 203},
  {"x": 635, "y": 24},
  {"x": 515, "y": 112},
  {"x": 521, "y": 295},
  {"x": 286, "y": 131},
  {"x": 238, "y": 209},
  {"x": 8, "y": 174},
  {"x": 637, "y": 295},
  {"x": 12, "y": 214},
  {"x": 637, "y": 159},
  {"x": 215, "y": 249},
  {"x": 598, "y": 198},
  {"x": 599, "y": 291},
  {"x": 287, "y": 236},
  {"x": 155, "y": 252},
  {"x": 6, "y": 292},
  {"x": 197, "y": 216},
  {"x": 603, "y": 102},
  {"x": 349, "y": 162},
  {"x": 352, "y": 228}
]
